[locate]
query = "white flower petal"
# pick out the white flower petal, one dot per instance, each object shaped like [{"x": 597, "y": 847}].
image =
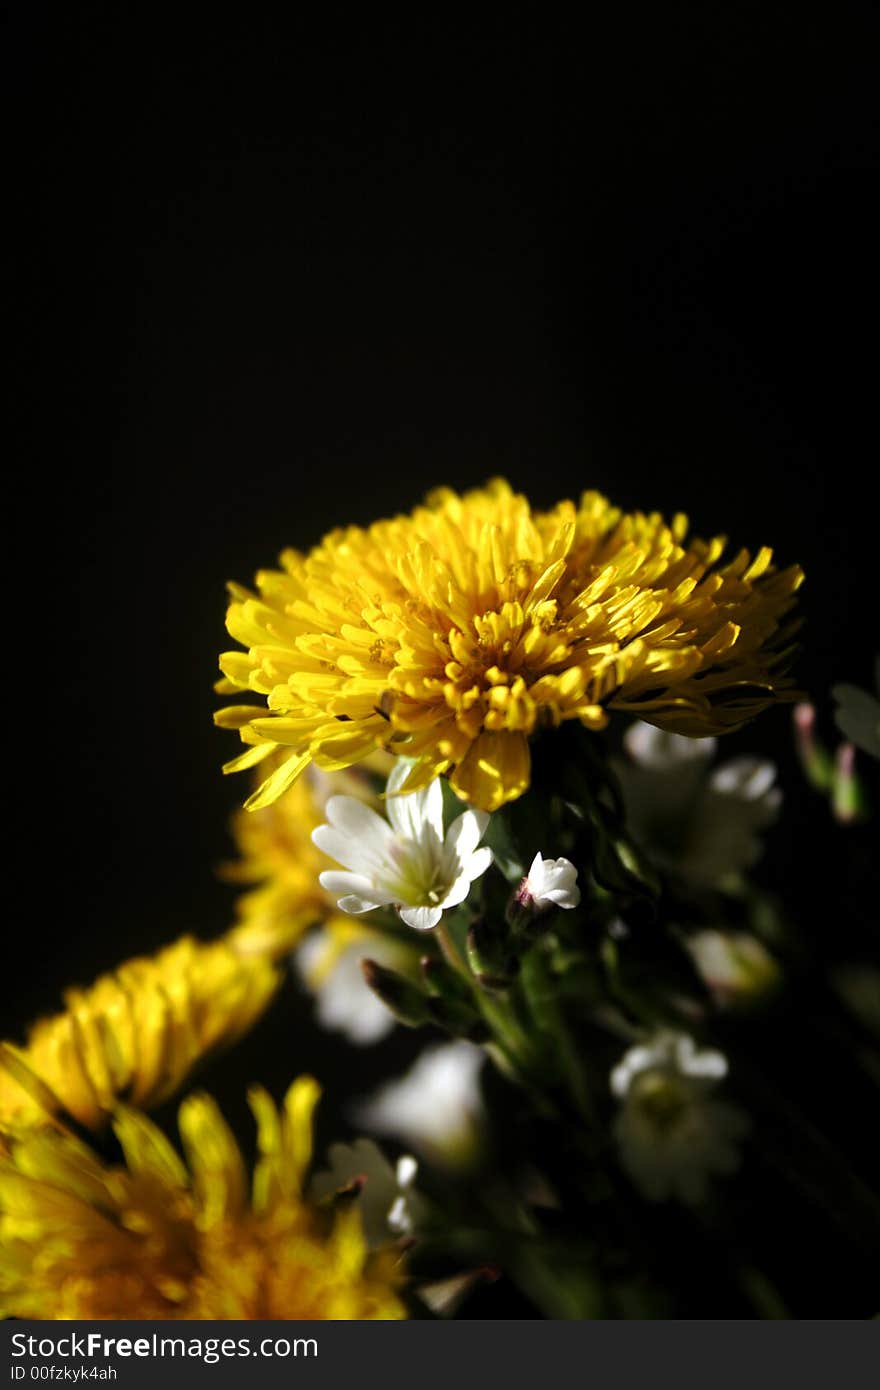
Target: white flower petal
[
  {"x": 400, "y": 1222},
  {"x": 562, "y": 897},
  {"x": 309, "y": 958},
  {"x": 656, "y": 749},
  {"x": 457, "y": 892},
  {"x": 559, "y": 869},
  {"x": 346, "y": 1002},
  {"x": 351, "y": 853},
  {"x": 478, "y": 862},
  {"x": 343, "y": 999},
  {"x": 557, "y": 874},
  {"x": 436, "y": 1106},
  {"x": 355, "y": 905},
  {"x": 465, "y": 833},
  {"x": 406, "y": 1170},
  {"x": 337, "y": 882},
  {"x": 691, "y": 1062},
  {"x": 336, "y": 846},
  {"x": 746, "y": 777},
  {"x": 360, "y": 824},
  {"x": 637, "y": 1059},
  {"x": 398, "y": 775},
  {"x": 422, "y": 918},
  {"x": 418, "y": 812}
]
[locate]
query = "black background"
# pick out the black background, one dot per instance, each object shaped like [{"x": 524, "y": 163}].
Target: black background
[{"x": 274, "y": 280}]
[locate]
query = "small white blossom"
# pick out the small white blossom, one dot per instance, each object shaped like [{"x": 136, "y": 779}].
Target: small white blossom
[
  {"x": 549, "y": 883},
  {"x": 662, "y": 751},
  {"x": 388, "y": 1202},
  {"x": 406, "y": 861},
  {"x": 703, "y": 824},
  {"x": 400, "y": 1214},
  {"x": 436, "y": 1107},
  {"x": 737, "y": 967},
  {"x": 673, "y": 1135},
  {"x": 344, "y": 1001}
]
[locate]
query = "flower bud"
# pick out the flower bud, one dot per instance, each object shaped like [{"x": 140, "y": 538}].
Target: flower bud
[
  {"x": 398, "y": 994},
  {"x": 457, "y": 1018},
  {"x": 549, "y": 883},
  {"x": 444, "y": 1296},
  {"x": 737, "y": 969},
  {"x": 812, "y": 754},
  {"x": 847, "y": 795}
]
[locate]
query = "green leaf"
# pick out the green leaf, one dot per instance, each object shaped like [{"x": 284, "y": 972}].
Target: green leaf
[
  {"x": 499, "y": 838},
  {"x": 858, "y": 717}
]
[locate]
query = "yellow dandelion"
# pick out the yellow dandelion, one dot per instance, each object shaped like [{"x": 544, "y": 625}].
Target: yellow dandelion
[
  {"x": 454, "y": 633},
  {"x": 136, "y": 1033},
  {"x": 158, "y": 1239}
]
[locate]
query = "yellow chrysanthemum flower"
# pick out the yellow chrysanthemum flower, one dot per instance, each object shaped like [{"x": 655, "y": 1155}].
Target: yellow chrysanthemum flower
[
  {"x": 452, "y": 634},
  {"x": 153, "y": 1240},
  {"x": 136, "y": 1033}
]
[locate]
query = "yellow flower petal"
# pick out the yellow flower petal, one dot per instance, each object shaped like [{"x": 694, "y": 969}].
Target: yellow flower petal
[{"x": 495, "y": 770}]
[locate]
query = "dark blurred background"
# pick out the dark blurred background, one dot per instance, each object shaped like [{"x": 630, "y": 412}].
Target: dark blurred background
[{"x": 272, "y": 281}]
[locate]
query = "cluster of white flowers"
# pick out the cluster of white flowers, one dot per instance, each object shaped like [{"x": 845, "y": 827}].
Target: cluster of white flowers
[
  {"x": 409, "y": 863},
  {"x": 702, "y": 824},
  {"x": 672, "y": 1132}
]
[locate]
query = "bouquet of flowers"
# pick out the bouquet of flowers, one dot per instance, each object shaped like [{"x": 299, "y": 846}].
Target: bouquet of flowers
[{"x": 489, "y": 806}]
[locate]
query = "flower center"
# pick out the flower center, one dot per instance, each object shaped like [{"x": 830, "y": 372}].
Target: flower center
[
  {"x": 661, "y": 1100},
  {"x": 420, "y": 880}
]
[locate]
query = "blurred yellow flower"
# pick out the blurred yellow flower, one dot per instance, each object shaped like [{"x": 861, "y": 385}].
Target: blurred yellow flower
[
  {"x": 278, "y": 857},
  {"x": 136, "y": 1033},
  {"x": 452, "y": 634},
  {"x": 153, "y": 1239}
]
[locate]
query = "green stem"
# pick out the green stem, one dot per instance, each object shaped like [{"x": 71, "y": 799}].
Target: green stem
[
  {"x": 506, "y": 1028},
  {"x": 550, "y": 1017},
  {"x": 451, "y": 953},
  {"x": 508, "y": 1032},
  {"x": 761, "y": 1293}
]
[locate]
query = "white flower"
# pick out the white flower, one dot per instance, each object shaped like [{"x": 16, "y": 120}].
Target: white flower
[
  {"x": 549, "y": 883},
  {"x": 407, "y": 863},
  {"x": 344, "y": 1000},
  {"x": 388, "y": 1202},
  {"x": 703, "y": 825},
  {"x": 436, "y": 1107},
  {"x": 671, "y": 1132},
  {"x": 401, "y": 1218},
  {"x": 661, "y": 751},
  {"x": 737, "y": 968}
]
